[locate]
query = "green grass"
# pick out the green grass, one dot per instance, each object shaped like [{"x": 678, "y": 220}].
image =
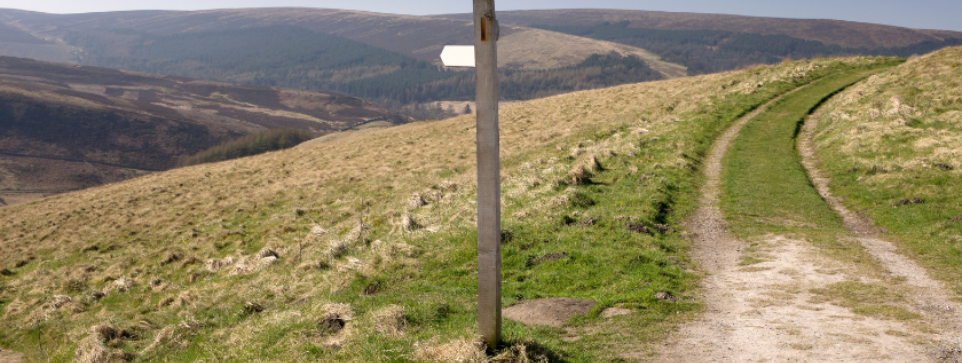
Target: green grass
[
  {"x": 880, "y": 158},
  {"x": 765, "y": 188},
  {"x": 766, "y": 191}
]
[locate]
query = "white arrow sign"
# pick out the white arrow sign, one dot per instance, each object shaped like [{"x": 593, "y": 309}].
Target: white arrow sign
[{"x": 458, "y": 56}]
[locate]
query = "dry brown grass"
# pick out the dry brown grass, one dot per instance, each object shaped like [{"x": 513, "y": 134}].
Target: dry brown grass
[
  {"x": 542, "y": 49},
  {"x": 893, "y": 146},
  {"x": 887, "y": 107}
]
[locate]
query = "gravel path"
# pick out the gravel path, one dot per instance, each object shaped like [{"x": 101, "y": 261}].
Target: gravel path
[
  {"x": 766, "y": 312},
  {"x": 7, "y": 356}
]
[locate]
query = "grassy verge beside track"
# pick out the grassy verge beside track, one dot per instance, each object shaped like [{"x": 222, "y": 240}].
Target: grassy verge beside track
[{"x": 893, "y": 148}]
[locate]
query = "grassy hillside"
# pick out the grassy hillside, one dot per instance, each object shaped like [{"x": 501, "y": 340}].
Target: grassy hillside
[
  {"x": 360, "y": 247},
  {"x": 893, "y": 148}
]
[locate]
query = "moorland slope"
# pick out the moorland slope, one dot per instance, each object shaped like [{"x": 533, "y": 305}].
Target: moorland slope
[
  {"x": 360, "y": 246},
  {"x": 391, "y": 59},
  {"x": 66, "y": 127},
  {"x": 848, "y": 34}
]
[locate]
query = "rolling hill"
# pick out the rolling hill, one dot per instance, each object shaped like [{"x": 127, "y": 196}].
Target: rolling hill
[
  {"x": 390, "y": 59},
  {"x": 65, "y": 127},
  {"x": 360, "y": 247},
  {"x": 708, "y": 43},
  {"x": 835, "y": 32}
]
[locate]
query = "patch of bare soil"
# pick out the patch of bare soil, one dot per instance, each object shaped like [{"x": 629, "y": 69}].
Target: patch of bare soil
[
  {"x": 767, "y": 312},
  {"x": 929, "y": 295},
  {"x": 9, "y": 356},
  {"x": 551, "y": 311}
]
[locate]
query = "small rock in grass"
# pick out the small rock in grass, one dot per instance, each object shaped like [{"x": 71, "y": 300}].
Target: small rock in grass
[
  {"x": 318, "y": 230},
  {"x": 664, "y": 296},
  {"x": 957, "y": 219}
]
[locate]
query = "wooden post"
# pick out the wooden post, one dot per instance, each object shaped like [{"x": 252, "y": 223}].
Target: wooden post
[{"x": 486, "y": 34}]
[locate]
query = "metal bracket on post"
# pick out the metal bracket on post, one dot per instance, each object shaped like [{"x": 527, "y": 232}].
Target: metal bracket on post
[{"x": 486, "y": 33}]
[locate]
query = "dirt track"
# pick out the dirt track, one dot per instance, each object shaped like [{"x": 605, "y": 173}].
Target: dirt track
[
  {"x": 7, "y": 356},
  {"x": 768, "y": 313}
]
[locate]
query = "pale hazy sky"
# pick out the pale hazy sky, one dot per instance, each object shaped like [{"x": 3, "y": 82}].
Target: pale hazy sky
[{"x": 927, "y": 14}]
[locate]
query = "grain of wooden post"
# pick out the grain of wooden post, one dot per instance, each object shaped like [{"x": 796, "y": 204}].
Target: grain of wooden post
[{"x": 489, "y": 173}]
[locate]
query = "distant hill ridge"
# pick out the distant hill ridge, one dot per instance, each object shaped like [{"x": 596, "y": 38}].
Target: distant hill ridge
[
  {"x": 709, "y": 43},
  {"x": 389, "y": 59},
  {"x": 838, "y": 32}
]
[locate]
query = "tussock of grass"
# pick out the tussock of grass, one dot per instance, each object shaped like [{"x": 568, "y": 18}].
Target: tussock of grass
[
  {"x": 331, "y": 212},
  {"x": 898, "y": 136}
]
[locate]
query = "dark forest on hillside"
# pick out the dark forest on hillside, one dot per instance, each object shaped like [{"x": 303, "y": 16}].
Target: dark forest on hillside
[
  {"x": 49, "y": 129},
  {"x": 292, "y": 57},
  {"x": 708, "y": 51}
]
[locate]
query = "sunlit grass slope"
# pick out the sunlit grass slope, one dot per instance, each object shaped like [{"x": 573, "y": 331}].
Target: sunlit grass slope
[
  {"x": 360, "y": 247},
  {"x": 893, "y": 147}
]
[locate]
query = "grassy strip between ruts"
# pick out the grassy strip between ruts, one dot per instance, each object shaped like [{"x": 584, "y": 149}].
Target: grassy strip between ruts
[
  {"x": 323, "y": 253},
  {"x": 766, "y": 192}
]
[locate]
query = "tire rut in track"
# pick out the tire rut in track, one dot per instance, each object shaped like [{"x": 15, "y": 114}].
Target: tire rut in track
[
  {"x": 929, "y": 296},
  {"x": 766, "y": 312}
]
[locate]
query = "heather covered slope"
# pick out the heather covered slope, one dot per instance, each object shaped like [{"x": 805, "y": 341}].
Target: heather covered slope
[
  {"x": 360, "y": 246},
  {"x": 892, "y": 146},
  {"x": 387, "y": 58},
  {"x": 417, "y": 36},
  {"x": 842, "y": 33},
  {"x": 65, "y": 127},
  {"x": 707, "y": 43}
]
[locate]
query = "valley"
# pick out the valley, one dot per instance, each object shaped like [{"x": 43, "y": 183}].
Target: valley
[
  {"x": 676, "y": 188},
  {"x": 66, "y": 127}
]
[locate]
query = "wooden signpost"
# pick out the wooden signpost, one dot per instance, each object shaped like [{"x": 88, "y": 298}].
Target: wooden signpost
[{"x": 486, "y": 34}]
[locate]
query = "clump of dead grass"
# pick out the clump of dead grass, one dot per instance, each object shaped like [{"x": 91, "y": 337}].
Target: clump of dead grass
[
  {"x": 389, "y": 320},
  {"x": 96, "y": 347},
  {"x": 459, "y": 351},
  {"x": 473, "y": 351}
]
